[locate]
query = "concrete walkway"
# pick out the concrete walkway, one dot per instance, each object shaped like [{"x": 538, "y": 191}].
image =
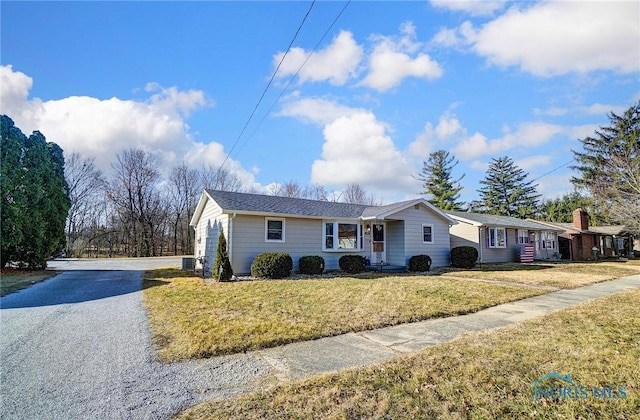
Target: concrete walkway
[{"x": 299, "y": 360}]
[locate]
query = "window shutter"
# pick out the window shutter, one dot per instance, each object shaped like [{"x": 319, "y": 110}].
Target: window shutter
[
  {"x": 506, "y": 238},
  {"x": 487, "y": 240}
]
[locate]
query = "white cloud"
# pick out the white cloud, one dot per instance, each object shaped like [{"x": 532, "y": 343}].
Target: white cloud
[
  {"x": 553, "y": 186},
  {"x": 336, "y": 63},
  {"x": 472, "y": 7},
  {"x": 316, "y": 110},
  {"x": 395, "y": 58},
  {"x": 432, "y": 138},
  {"x": 357, "y": 149},
  {"x": 530, "y": 134},
  {"x": 101, "y": 128},
  {"x": 531, "y": 163},
  {"x": 559, "y": 37}
]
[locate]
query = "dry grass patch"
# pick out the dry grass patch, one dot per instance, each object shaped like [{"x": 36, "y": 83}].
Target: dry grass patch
[
  {"x": 191, "y": 319},
  {"x": 14, "y": 280},
  {"x": 561, "y": 275},
  {"x": 480, "y": 376}
]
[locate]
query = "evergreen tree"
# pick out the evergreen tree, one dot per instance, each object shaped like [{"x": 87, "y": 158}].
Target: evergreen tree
[
  {"x": 35, "y": 198},
  {"x": 609, "y": 167},
  {"x": 506, "y": 191},
  {"x": 560, "y": 209},
  {"x": 438, "y": 183},
  {"x": 222, "y": 267}
]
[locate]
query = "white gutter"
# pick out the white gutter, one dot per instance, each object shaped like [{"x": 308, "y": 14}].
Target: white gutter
[{"x": 230, "y": 240}]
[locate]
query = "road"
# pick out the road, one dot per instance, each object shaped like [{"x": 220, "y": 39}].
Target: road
[{"x": 78, "y": 346}]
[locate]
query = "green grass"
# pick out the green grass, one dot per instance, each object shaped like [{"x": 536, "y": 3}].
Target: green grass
[
  {"x": 559, "y": 275},
  {"x": 14, "y": 280},
  {"x": 479, "y": 376},
  {"x": 192, "y": 319}
]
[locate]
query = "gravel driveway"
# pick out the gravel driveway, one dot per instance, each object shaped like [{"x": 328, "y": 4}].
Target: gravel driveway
[{"x": 78, "y": 346}]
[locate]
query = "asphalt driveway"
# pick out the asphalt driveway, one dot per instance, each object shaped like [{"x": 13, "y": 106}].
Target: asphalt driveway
[{"x": 78, "y": 346}]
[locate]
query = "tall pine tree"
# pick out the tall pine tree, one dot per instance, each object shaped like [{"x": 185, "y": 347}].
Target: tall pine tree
[
  {"x": 506, "y": 191},
  {"x": 609, "y": 167},
  {"x": 438, "y": 182},
  {"x": 35, "y": 197}
]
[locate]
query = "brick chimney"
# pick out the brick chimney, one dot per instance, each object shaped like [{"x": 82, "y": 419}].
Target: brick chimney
[{"x": 581, "y": 219}]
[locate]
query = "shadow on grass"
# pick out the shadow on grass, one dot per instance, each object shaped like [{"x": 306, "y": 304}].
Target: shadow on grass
[{"x": 152, "y": 278}]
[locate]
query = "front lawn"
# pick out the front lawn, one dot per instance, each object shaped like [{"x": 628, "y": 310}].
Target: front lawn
[
  {"x": 13, "y": 280},
  {"x": 560, "y": 275},
  {"x": 192, "y": 319},
  {"x": 479, "y": 376}
]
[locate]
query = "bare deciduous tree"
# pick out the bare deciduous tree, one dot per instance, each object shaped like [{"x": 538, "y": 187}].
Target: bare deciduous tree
[
  {"x": 356, "y": 194},
  {"x": 183, "y": 192}
]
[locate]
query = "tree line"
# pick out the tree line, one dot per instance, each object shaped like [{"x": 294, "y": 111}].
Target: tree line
[
  {"x": 606, "y": 181},
  {"x": 52, "y": 203}
]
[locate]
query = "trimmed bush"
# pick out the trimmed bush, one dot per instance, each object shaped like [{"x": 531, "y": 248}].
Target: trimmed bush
[
  {"x": 222, "y": 270},
  {"x": 311, "y": 264},
  {"x": 272, "y": 265},
  {"x": 352, "y": 263},
  {"x": 420, "y": 263},
  {"x": 464, "y": 257}
]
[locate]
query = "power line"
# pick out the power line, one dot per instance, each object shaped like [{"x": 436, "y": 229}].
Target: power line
[
  {"x": 552, "y": 171},
  {"x": 255, "y": 108},
  {"x": 295, "y": 75}
]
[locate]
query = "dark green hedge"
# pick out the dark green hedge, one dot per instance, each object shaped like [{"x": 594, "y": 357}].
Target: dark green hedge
[
  {"x": 272, "y": 265},
  {"x": 352, "y": 263},
  {"x": 464, "y": 257},
  {"x": 311, "y": 264},
  {"x": 420, "y": 263}
]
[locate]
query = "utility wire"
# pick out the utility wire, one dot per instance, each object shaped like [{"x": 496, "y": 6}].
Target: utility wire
[
  {"x": 255, "y": 108},
  {"x": 552, "y": 171},
  {"x": 264, "y": 117}
]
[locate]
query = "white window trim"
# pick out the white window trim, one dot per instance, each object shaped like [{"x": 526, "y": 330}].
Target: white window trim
[
  {"x": 359, "y": 240},
  {"x": 432, "y": 233},
  {"x": 525, "y": 236},
  {"x": 488, "y": 239},
  {"x": 266, "y": 229}
]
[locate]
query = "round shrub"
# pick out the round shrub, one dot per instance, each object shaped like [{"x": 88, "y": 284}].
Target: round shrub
[
  {"x": 464, "y": 257},
  {"x": 311, "y": 264},
  {"x": 352, "y": 263},
  {"x": 272, "y": 265},
  {"x": 420, "y": 263}
]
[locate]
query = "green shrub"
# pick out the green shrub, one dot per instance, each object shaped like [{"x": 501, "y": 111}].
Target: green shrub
[
  {"x": 311, "y": 264},
  {"x": 272, "y": 265},
  {"x": 352, "y": 263},
  {"x": 464, "y": 257},
  {"x": 420, "y": 263},
  {"x": 222, "y": 270}
]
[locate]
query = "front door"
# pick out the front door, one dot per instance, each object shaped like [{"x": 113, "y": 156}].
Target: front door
[{"x": 378, "y": 251}]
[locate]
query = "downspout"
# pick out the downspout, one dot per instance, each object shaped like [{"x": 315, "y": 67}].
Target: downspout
[
  {"x": 480, "y": 243},
  {"x": 230, "y": 240}
]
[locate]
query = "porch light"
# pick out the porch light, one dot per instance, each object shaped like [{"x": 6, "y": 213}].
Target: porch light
[{"x": 367, "y": 230}]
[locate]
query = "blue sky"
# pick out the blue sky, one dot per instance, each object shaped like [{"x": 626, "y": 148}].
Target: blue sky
[{"x": 390, "y": 83}]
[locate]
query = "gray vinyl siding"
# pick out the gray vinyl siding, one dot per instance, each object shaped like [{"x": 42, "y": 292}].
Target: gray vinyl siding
[
  {"x": 302, "y": 237},
  {"x": 395, "y": 243},
  {"x": 465, "y": 234},
  {"x": 439, "y": 250}
]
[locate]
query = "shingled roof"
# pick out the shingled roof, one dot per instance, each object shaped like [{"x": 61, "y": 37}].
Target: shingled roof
[
  {"x": 257, "y": 203},
  {"x": 479, "y": 219},
  {"x": 245, "y": 203}
]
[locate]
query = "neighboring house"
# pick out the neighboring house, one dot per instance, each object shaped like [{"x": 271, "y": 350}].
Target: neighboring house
[
  {"x": 502, "y": 238},
  {"x": 578, "y": 240},
  {"x": 254, "y": 224}
]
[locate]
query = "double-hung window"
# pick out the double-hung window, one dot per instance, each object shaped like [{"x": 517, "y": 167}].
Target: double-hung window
[
  {"x": 496, "y": 238},
  {"x": 523, "y": 237},
  {"x": 427, "y": 234},
  {"x": 274, "y": 230},
  {"x": 341, "y": 236},
  {"x": 548, "y": 240}
]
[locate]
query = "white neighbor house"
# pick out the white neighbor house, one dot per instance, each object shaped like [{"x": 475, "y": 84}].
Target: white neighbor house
[{"x": 254, "y": 224}]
